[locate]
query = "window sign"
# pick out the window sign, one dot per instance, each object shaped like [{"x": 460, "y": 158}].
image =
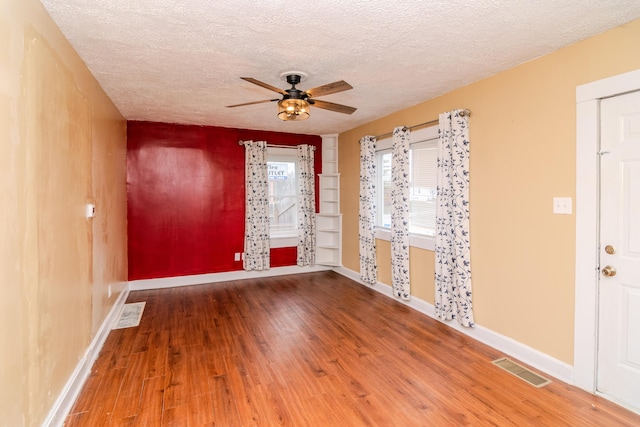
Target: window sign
[{"x": 278, "y": 170}]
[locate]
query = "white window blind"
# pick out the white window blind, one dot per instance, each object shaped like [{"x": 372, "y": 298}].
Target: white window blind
[
  {"x": 423, "y": 185},
  {"x": 423, "y": 164}
]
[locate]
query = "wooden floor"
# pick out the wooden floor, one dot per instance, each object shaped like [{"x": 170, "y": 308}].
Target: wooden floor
[{"x": 310, "y": 350}]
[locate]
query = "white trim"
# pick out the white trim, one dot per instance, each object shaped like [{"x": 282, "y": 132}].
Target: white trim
[
  {"x": 199, "y": 279},
  {"x": 283, "y": 154},
  {"x": 63, "y": 404},
  {"x": 288, "y": 237},
  {"x": 611, "y": 86},
  {"x": 584, "y": 358},
  {"x": 415, "y": 240},
  {"x": 276, "y": 241},
  {"x": 513, "y": 348},
  {"x": 586, "y": 278},
  {"x": 421, "y": 135}
]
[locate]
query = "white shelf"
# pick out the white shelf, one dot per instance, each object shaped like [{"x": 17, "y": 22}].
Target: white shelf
[
  {"x": 330, "y": 154},
  {"x": 328, "y": 256},
  {"x": 329, "y": 220},
  {"x": 331, "y": 180},
  {"x": 328, "y": 238}
]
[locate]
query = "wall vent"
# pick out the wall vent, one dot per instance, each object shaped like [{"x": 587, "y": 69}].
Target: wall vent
[{"x": 521, "y": 372}]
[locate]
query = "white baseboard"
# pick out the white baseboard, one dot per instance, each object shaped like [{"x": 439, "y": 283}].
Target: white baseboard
[
  {"x": 199, "y": 279},
  {"x": 72, "y": 388},
  {"x": 511, "y": 347}
]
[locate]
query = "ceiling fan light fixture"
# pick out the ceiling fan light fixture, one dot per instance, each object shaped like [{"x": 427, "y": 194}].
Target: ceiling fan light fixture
[{"x": 293, "y": 109}]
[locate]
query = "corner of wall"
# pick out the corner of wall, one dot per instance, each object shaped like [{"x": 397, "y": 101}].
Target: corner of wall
[{"x": 72, "y": 388}]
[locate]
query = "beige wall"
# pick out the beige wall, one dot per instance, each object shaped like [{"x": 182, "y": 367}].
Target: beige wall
[
  {"x": 62, "y": 145},
  {"x": 523, "y": 137}
]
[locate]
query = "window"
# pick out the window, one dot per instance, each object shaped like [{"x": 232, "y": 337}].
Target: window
[
  {"x": 383, "y": 188},
  {"x": 424, "y": 175},
  {"x": 423, "y": 158},
  {"x": 283, "y": 209}
]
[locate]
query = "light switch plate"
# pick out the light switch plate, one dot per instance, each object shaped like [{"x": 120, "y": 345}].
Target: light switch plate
[
  {"x": 562, "y": 205},
  {"x": 90, "y": 210}
]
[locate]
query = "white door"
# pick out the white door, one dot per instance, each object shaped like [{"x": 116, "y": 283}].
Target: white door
[{"x": 618, "y": 370}]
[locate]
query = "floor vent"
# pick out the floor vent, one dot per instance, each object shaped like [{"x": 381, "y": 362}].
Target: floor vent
[
  {"x": 521, "y": 372},
  {"x": 130, "y": 315}
]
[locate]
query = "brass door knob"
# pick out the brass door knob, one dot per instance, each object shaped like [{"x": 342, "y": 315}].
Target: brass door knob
[{"x": 609, "y": 271}]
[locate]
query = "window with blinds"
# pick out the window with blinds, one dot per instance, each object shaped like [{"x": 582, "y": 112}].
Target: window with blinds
[{"x": 423, "y": 161}]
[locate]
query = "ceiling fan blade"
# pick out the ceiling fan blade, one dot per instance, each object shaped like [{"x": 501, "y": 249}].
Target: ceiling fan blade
[
  {"x": 338, "y": 108},
  {"x": 251, "y": 103},
  {"x": 329, "y": 88},
  {"x": 263, "y": 84}
]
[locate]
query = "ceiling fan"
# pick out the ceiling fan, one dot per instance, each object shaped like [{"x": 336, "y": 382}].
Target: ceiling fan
[{"x": 295, "y": 103}]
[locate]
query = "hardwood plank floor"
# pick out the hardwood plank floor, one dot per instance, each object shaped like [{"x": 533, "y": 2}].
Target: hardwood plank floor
[{"x": 311, "y": 350}]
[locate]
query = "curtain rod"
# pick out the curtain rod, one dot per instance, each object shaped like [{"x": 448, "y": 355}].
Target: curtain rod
[
  {"x": 292, "y": 147},
  {"x": 463, "y": 113}
]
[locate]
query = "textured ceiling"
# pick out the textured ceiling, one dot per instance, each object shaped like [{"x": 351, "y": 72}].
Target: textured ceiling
[{"x": 181, "y": 61}]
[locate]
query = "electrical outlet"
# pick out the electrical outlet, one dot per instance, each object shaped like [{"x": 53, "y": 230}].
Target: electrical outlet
[
  {"x": 562, "y": 205},
  {"x": 237, "y": 256}
]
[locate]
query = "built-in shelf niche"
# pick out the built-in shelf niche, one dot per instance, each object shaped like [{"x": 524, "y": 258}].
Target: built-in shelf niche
[{"x": 329, "y": 219}]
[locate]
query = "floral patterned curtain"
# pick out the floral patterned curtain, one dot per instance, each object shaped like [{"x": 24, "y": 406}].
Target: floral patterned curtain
[
  {"x": 256, "y": 229},
  {"x": 400, "y": 213},
  {"x": 367, "y": 213},
  {"x": 453, "y": 257},
  {"x": 306, "y": 206}
]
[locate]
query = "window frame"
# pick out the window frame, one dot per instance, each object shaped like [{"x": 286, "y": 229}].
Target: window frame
[
  {"x": 421, "y": 241},
  {"x": 284, "y": 155}
]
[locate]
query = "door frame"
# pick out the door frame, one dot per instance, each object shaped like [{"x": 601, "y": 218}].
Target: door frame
[{"x": 588, "y": 98}]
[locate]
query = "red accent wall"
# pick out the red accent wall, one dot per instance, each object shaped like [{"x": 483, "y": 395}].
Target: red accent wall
[{"x": 185, "y": 195}]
